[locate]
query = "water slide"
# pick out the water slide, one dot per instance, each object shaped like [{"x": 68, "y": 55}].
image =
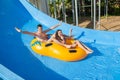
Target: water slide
[{"x": 18, "y": 58}]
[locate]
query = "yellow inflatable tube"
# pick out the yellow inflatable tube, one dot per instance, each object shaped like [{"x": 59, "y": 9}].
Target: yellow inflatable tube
[{"x": 57, "y": 51}]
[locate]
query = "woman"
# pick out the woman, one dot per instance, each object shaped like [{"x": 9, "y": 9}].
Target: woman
[{"x": 60, "y": 38}]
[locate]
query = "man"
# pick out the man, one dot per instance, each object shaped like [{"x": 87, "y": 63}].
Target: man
[{"x": 40, "y": 34}]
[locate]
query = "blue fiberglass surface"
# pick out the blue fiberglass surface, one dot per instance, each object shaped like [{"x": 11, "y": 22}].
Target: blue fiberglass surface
[
  {"x": 103, "y": 64},
  {"x": 16, "y": 54}
]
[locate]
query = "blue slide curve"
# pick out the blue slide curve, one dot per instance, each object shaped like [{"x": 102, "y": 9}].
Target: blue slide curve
[{"x": 17, "y": 56}]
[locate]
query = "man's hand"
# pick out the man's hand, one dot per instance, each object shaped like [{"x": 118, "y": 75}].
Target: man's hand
[
  {"x": 17, "y": 29},
  {"x": 56, "y": 25},
  {"x": 59, "y": 23}
]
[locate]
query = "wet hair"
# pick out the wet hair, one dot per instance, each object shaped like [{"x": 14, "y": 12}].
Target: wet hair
[
  {"x": 58, "y": 31},
  {"x": 39, "y": 25},
  {"x": 57, "y": 36}
]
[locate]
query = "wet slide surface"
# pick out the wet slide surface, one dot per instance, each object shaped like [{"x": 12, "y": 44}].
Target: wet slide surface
[{"x": 16, "y": 54}]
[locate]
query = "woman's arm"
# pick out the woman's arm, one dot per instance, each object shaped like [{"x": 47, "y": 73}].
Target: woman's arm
[
  {"x": 70, "y": 35},
  {"x": 70, "y": 32},
  {"x": 62, "y": 44}
]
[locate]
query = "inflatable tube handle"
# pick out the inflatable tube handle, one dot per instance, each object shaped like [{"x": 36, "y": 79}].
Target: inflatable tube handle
[
  {"x": 49, "y": 44},
  {"x": 72, "y": 51}
]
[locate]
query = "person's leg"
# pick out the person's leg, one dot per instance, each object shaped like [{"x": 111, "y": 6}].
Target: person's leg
[
  {"x": 51, "y": 38},
  {"x": 65, "y": 45},
  {"x": 87, "y": 49},
  {"x": 56, "y": 41}
]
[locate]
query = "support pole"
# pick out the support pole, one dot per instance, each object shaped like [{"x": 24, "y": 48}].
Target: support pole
[
  {"x": 99, "y": 12},
  {"x": 64, "y": 11},
  {"x": 106, "y": 8},
  {"x": 73, "y": 11},
  {"x": 79, "y": 11},
  {"x": 94, "y": 21},
  {"x": 76, "y": 12},
  {"x": 92, "y": 10},
  {"x": 54, "y": 4}
]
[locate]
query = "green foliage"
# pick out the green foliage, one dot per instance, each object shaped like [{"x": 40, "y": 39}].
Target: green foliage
[{"x": 58, "y": 5}]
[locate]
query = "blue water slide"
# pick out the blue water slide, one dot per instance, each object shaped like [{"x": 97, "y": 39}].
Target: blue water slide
[{"x": 17, "y": 56}]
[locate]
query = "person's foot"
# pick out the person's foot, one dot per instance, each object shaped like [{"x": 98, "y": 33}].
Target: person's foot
[
  {"x": 68, "y": 46},
  {"x": 17, "y": 29},
  {"x": 73, "y": 45},
  {"x": 89, "y": 52}
]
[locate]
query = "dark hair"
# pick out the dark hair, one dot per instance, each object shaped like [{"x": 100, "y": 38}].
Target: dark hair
[
  {"x": 39, "y": 25},
  {"x": 57, "y": 36}
]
